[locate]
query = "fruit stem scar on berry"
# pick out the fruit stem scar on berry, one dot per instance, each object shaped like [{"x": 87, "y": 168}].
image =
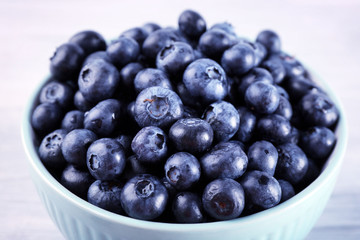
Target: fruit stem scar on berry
[{"x": 149, "y": 100}]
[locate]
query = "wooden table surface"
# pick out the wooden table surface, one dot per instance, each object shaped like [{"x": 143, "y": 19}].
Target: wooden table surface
[{"x": 323, "y": 34}]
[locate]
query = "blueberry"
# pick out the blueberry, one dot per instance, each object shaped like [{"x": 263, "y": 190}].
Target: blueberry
[
  {"x": 214, "y": 42},
  {"x": 136, "y": 33},
  {"x": 292, "y": 66},
  {"x": 238, "y": 59},
  {"x": 182, "y": 170},
  {"x": 123, "y": 51},
  {"x": 128, "y": 73},
  {"x": 144, "y": 197},
  {"x": 125, "y": 141},
  {"x": 170, "y": 188},
  {"x": 282, "y": 92},
  {"x": 76, "y": 180},
  {"x": 261, "y": 189},
  {"x": 174, "y": 58},
  {"x": 75, "y": 146},
  {"x": 81, "y": 103},
  {"x": 89, "y": 41},
  {"x": 205, "y": 79},
  {"x": 262, "y": 97},
  {"x": 106, "y": 195},
  {"x": 287, "y": 190},
  {"x": 98, "y": 80},
  {"x": 318, "y": 109},
  {"x": 270, "y": 40},
  {"x": 223, "y": 199},
  {"x": 150, "y": 144},
  {"x": 247, "y": 125},
  {"x": 185, "y": 96},
  {"x": 274, "y": 128},
  {"x": 225, "y": 26},
  {"x": 297, "y": 87},
  {"x": 102, "y": 55},
  {"x": 50, "y": 149},
  {"x": 284, "y": 109},
  {"x": 46, "y": 117},
  {"x": 191, "y": 135},
  {"x": 224, "y": 160},
  {"x": 311, "y": 174},
  {"x": 66, "y": 61},
  {"x": 260, "y": 51},
  {"x": 105, "y": 159},
  {"x": 263, "y": 156},
  {"x": 151, "y": 77},
  {"x": 150, "y": 27},
  {"x": 294, "y": 135},
  {"x": 103, "y": 119},
  {"x": 292, "y": 163},
  {"x": 156, "y": 41},
  {"x": 57, "y": 92},
  {"x": 157, "y": 106},
  {"x": 73, "y": 120},
  {"x": 191, "y": 24},
  {"x": 275, "y": 67},
  {"x": 190, "y": 112},
  {"x": 318, "y": 142},
  {"x": 187, "y": 208},
  {"x": 137, "y": 167},
  {"x": 223, "y": 118},
  {"x": 254, "y": 75}
]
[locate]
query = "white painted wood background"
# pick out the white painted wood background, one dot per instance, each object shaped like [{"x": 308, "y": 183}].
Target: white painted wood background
[{"x": 323, "y": 34}]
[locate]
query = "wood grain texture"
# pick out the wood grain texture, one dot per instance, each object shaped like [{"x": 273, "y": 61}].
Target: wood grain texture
[{"x": 324, "y": 35}]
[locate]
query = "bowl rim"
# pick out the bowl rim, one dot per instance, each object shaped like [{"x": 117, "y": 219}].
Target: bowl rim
[{"x": 334, "y": 162}]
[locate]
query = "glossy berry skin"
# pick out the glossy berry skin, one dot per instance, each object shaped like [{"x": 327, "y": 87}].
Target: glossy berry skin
[
  {"x": 105, "y": 159},
  {"x": 174, "y": 58},
  {"x": 157, "y": 106},
  {"x": 238, "y": 59},
  {"x": 76, "y": 180},
  {"x": 223, "y": 199},
  {"x": 270, "y": 40},
  {"x": 224, "y": 120},
  {"x": 73, "y": 120},
  {"x": 46, "y": 117},
  {"x": 106, "y": 195},
  {"x": 102, "y": 55},
  {"x": 182, "y": 170},
  {"x": 312, "y": 173},
  {"x": 317, "y": 109},
  {"x": 150, "y": 27},
  {"x": 150, "y": 145},
  {"x": 317, "y": 142},
  {"x": 151, "y": 77},
  {"x": 192, "y": 135},
  {"x": 282, "y": 92},
  {"x": 276, "y": 69},
  {"x": 128, "y": 73},
  {"x": 214, "y": 42},
  {"x": 297, "y": 87},
  {"x": 261, "y": 189},
  {"x": 81, "y": 103},
  {"x": 98, "y": 80},
  {"x": 125, "y": 141},
  {"x": 263, "y": 156},
  {"x": 191, "y": 24},
  {"x": 89, "y": 41},
  {"x": 75, "y": 146},
  {"x": 247, "y": 125},
  {"x": 136, "y": 33},
  {"x": 254, "y": 75},
  {"x": 292, "y": 163},
  {"x": 262, "y": 97},
  {"x": 224, "y": 160},
  {"x": 205, "y": 79},
  {"x": 123, "y": 51},
  {"x": 57, "y": 92},
  {"x": 144, "y": 197},
  {"x": 287, "y": 190},
  {"x": 66, "y": 61},
  {"x": 274, "y": 128},
  {"x": 50, "y": 149},
  {"x": 292, "y": 66},
  {"x": 187, "y": 208},
  {"x": 284, "y": 109},
  {"x": 225, "y": 26}
]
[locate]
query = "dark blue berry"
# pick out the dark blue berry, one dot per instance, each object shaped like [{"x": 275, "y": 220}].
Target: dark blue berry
[
  {"x": 57, "y": 92},
  {"x": 102, "y": 55},
  {"x": 50, "y": 149},
  {"x": 260, "y": 51},
  {"x": 191, "y": 135},
  {"x": 254, "y": 75},
  {"x": 311, "y": 174},
  {"x": 297, "y": 87},
  {"x": 187, "y": 208},
  {"x": 287, "y": 190},
  {"x": 205, "y": 79},
  {"x": 223, "y": 118},
  {"x": 270, "y": 40},
  {"x": 150, "y": 27},
  {"x": 89, "y": 41},
  {"x": 150, "y": 144},
  {"x": 128, "y": 73},
  {"x": 151, "y": 77},
  {"x": 157, "y": 106},
  {"x": 81, "y": 103},
  {"x": 144, "y": 197},
  {"x": 223, "y": 199},
  {"x": 98, "y": 80},
  {"x": 274, "y": 128},
  {"x": 276, "y": 69},
  {"x": 284, "y": 109},
  {"x": 125, "y": 141},
  {"x": 262, "y": 97},
  {"x": 247, "y": 125},
  {"x": 123, "y": 51},
  {"x": 238, "y": 59},
  {"x": 225, "y": 26},
  {"x": 105, "y": 159},
  {"x": 73, "y": 120},
  {"x": 224, "y": 160},
  {"x": 263, "y": 156},
  {"x": 75, "y": 146},
  {"x": 106, "y": 195},
  {"x": 292, "y": 66},
  {"x": 46, "y": 117},
  {"x": 191, "y": 24},
  {"x": 282, "y": 92},
  {"x": 136, "y": 33}
]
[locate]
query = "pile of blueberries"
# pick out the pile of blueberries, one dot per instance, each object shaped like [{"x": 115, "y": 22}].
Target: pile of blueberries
[{"x": 189, "y": 124}]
